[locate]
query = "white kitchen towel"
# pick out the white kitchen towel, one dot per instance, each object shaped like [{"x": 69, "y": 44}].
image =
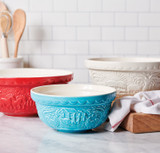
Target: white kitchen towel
[{"x": 145, "y": 102}]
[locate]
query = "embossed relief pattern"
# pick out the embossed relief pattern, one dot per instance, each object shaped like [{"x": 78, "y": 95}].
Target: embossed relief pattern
[
  {"x": 127, "y": 83},
  {"x": 73, "y": 118},
  {"x": 16, "y": 100}
]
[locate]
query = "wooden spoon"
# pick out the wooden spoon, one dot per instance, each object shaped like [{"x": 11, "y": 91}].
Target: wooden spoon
[
  {"x": 19, "y": 22},
  {"x": 5, "y": 25},
  {"x": 5, "y": 22},
  {"x": 6, "y": 19},
  {"x": 3, "y": 7}
]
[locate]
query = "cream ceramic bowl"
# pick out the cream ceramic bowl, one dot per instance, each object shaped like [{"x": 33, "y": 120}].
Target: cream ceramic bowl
[
  {"x": 127, "y": 75},
  {"x": 7, "y": 63}
]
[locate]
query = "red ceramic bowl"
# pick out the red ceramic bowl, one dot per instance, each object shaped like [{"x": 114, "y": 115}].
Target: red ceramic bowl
[{"x": 15, "y": 85}]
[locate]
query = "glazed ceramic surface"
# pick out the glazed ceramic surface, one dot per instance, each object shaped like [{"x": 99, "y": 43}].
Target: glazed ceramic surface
[
  {"x": 6, "y": 63},
  {"x": 15, "y": 85},
  {"x": 127, "y": 75},
  {"x": 73, "y": 107}
]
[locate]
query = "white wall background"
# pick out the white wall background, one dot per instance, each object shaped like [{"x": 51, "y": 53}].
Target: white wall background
[{"x": 63, "y": 33}]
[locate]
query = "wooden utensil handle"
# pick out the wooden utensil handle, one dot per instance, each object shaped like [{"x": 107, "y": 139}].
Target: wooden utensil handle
[
  {"x": 5, "y": 53},
  {"x": 16, "y": 49}
]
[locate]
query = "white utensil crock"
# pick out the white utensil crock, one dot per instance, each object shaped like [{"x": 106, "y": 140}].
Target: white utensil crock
[{"x": 7, "y": 63}]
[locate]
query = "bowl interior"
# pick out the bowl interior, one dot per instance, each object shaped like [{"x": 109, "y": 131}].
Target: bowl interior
[
  {"x": 73, "y": 90},
  {"x": 32, "y": 73}
]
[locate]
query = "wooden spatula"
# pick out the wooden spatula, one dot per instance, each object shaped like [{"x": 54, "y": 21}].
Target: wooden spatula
[{"x": 19, "y": 23}]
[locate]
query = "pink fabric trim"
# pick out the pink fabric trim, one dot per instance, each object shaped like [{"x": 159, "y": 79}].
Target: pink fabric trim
[
  {"x": 118, "y": 123},
  {"x": 151, "y": 102}
]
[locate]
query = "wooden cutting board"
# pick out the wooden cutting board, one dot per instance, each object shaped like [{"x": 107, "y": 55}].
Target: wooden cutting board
[{"x": 141, "y": 123}]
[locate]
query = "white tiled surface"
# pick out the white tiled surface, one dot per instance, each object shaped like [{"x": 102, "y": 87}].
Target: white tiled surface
[
  {"x": 63, "y": 33},
  {"x": 138, "y": 5},
  {"x": 113, "y": 33},
  {"x": 64, "y": 5},
  {"x": 113, "y": 5},
  {"x": 89, "y": 5}
]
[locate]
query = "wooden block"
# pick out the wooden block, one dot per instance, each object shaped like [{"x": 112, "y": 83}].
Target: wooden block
[{"x": 141, "y": 123}]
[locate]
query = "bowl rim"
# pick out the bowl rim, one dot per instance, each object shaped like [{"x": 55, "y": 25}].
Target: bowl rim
[
  {"x": 113, "y": 90},
  {"x": 124, "y": 64},
  {"x": 21, "y": 70},
  {"x": 126, "y": 59}
]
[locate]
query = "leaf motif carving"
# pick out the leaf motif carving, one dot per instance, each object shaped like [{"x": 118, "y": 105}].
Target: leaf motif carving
[
  {"x": 127, "y": 82},
  {"x": 73, "y": 118}
]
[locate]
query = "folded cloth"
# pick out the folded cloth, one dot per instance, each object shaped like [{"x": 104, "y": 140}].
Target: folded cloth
[{"x": 145, "y": 102}]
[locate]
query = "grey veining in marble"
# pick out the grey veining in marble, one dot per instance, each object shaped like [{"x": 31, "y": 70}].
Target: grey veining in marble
[{"x": 30, "y": 135}]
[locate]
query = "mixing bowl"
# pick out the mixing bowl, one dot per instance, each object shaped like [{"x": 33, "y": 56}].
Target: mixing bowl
[
  {"x": 15, "y": 85},
  {"x": 73, "y": 107},
  {"x": 127, "y": 75}
]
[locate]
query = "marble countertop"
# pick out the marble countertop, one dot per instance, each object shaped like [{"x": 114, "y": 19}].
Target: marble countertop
[{"x": 30, "y": 135}]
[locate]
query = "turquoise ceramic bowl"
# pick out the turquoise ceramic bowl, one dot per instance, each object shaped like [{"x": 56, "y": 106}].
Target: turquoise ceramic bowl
[{"x": 73, "y": 107}]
